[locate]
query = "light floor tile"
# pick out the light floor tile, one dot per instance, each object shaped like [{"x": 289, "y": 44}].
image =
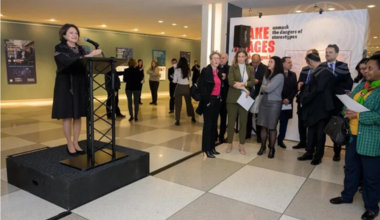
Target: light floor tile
[
  {"x": 189, "y": 143},
  {"x": 4, "y": 176},
  {"x": 261, "y": 187},
  {"x": 149, "y": 198},
  {"x": 312, "y": 203},
  {"x": 157, "y": 136},
  {"x": 157, "y": 123},
  {"x": 7, "y": 188},
  {"x": 30, "y": 128},
  {"x": 329, "y": 171},
  {"x": 45, "y": 136},
  {"x": 23, "y": 205},
  {"x": 74, "y": 216},
  {"x": 7, "y": 117},
  {"x": 211, "y": 207},
  {"x": 46, "y": 118},
  {"x": 284, "y": 161},
  {"x": 200, "y": 173},
  {"x": 9, "y": 143},
  {"x": 188, "y": 127},
  {"x": 163, "y": 156},
  {"x": 285, "y": 217},
  {"x": 134, "y": 129},
  {"x": 133, "y": 144},
  {"x": 18, "y": 123},
  {"x": 235, "y": 155}
]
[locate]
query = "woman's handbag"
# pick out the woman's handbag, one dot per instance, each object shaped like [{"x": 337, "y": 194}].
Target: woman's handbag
[
  {"x": 337, "y": 130},
  {"x": 256, "y": 105}
]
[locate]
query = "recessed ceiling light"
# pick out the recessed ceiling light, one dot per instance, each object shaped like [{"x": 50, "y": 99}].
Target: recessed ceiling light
[
  {"x": 162, "y": 32},
  {"x": 185, "y": 26},
  {"x": 160, "y": 21},
  {"x": 174, "y": 24},
  {"x": 135, "y": 29},
  {"x": 184, "y": 35},
  {"x": 1, "y": 15},
  {"x": 103, "y": 25},
  {"x": 377, "y": 47},
  {"x": 371, "y": 6},
  {"x": 331, "y": 9},
  {"x": 375, "y": 37},
  {"x": 298, "y": 11},
  {"x": 52, "y": 20}
]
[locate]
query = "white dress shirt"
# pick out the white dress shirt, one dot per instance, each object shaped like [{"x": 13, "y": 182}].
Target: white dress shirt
[{"x": 179, "y": 79}]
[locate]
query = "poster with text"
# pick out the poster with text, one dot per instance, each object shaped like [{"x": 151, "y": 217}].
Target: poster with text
[
  {"x": 293, "y": 34},
  {"x": 159, "y": 56},
  {"x": 162, "y": 70},
  {"x": 124, "y": 53},
  {"x": 20, "y": 61},
  {"x": 186, "y": 55}
]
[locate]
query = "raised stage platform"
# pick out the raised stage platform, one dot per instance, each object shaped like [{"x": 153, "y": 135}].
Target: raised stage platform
[{"x": 42, "y": 174}]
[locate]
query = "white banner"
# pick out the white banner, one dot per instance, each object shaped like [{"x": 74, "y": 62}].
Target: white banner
[{"x": 293, "y": 34}]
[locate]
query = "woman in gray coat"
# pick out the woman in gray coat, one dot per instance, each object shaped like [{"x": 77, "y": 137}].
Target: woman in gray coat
[{"x": 271, "y": 104}]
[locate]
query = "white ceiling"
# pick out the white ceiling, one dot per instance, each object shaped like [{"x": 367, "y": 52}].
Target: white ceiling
[{"x": 144, "y": 14}]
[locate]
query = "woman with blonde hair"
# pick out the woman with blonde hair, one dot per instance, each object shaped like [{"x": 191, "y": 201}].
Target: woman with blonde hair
[
  {"x": 240, "y": 77},
  {"x": 154, "y": 81}
]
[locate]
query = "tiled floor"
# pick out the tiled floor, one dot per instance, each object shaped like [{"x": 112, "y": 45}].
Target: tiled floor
[{"x": 233, "y": 186}]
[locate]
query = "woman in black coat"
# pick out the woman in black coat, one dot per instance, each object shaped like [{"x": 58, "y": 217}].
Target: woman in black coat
[
  {"x": 69, "y": 102},
  {"x": 209, "y": 87},
  {"x": 133, "y": 78}
]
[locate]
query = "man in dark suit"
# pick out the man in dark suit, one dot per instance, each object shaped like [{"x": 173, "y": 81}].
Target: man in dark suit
[
  {"x": 260, "y": 70},
  {"x": 108, "y": 80},
  {"x": 224, "y": 68},
  {"x": 317, "y": 105},
  {"x": 288, "y": 93},
  {"x": 172, "y": 85},
  {"x": 196, "y": 72},
  {"x": 342, "y": 84},
  {"x": 303, "y": 80}
]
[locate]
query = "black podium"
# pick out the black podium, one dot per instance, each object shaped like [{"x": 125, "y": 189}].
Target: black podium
[{"x": 105, "y": 153}]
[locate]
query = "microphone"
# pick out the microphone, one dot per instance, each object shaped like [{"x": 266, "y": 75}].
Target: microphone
[{"x": 96, "y": 45}]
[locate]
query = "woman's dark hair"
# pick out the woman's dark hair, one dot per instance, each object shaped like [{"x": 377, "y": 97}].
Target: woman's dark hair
[
  {"x": 278, "y": 68},
  {"x": 360, "y": 75},
  {"x": 131, "y": 62},
  {"x": 64, "y": 30},
  {"x": 376, "y": 58},
  {"x": 138, "y": 61},
  {"x": 184, "y": 66}
]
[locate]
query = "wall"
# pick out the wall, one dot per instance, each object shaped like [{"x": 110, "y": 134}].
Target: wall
[{"x": 46, "y": 37}]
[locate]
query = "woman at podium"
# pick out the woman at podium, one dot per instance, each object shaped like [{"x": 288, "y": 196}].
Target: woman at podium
[{"x": 69, "y": 102}]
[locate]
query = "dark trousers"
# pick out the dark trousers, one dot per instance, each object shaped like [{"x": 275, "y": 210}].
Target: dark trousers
[
  {"x": 258, "y": 129},
  {"x": 109, "y": 103},
  {"x": 317, "y": 139},
  {"x": 183, "y": 90},
  {"x": 136, "y": 98},
  {"x": 284, "y": 119},
  {"x": 153, "y": 85},
  {"x": 223, "y": 120},
  {"x": 210, "y": 124},
  {"x": 302, "y": 130},
  {"x": 172, "y": 91},
  {"x": 356, "y": 165},
  {"x": 249, "y": 125}
]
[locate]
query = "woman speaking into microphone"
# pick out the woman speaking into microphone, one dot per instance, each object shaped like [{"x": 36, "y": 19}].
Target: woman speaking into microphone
[{"x": 69, "y": 102}]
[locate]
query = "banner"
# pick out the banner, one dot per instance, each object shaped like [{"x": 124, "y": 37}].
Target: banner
[
  {"x": 159, "y": 56},
  {"x": 20, "y": 61},
  {"x": 293, "y": 34},
  {"x": 124, "y": 53}
]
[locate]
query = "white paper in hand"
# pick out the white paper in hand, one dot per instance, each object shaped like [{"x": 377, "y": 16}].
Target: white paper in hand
[
  {"x": 245, "y": 102},
  {"x": 352, "y": 104},
  {"x": 286, "y": 107}
]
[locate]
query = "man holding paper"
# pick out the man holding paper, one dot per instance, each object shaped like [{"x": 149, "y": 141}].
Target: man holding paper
[
  {"x": 288, "y": 93},
  {"x": 363, "y": 150}
]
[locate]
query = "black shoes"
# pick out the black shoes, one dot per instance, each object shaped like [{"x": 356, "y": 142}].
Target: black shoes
[
  {"x": 368, "y": 215},
  {"x": 338, "y": 201},
  {"x": 299, "y": 146},
  {"x": 271, "y": 153},
  {"x": 177, "y": 123},
  {"x": 262, "y": 150},
  {"x": 213, "y": 151},
  {"x": 131, "y": 118},
  {"x": 136, "y": 119},
  {"x": 120, "y": 116},
  {"x": 258, "y": 140},
  {"x": 171, "y": 112},
  {"x": 71, "y": 154},
  {"x": 209, "y": 154},
  {"x": 336, "y": 157},
  {"x": 316, "y": 162},
  {"x": 282, "y": 145},
  {"x": 305, "y": 157},
  {"x": 193, "y": 120}
]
